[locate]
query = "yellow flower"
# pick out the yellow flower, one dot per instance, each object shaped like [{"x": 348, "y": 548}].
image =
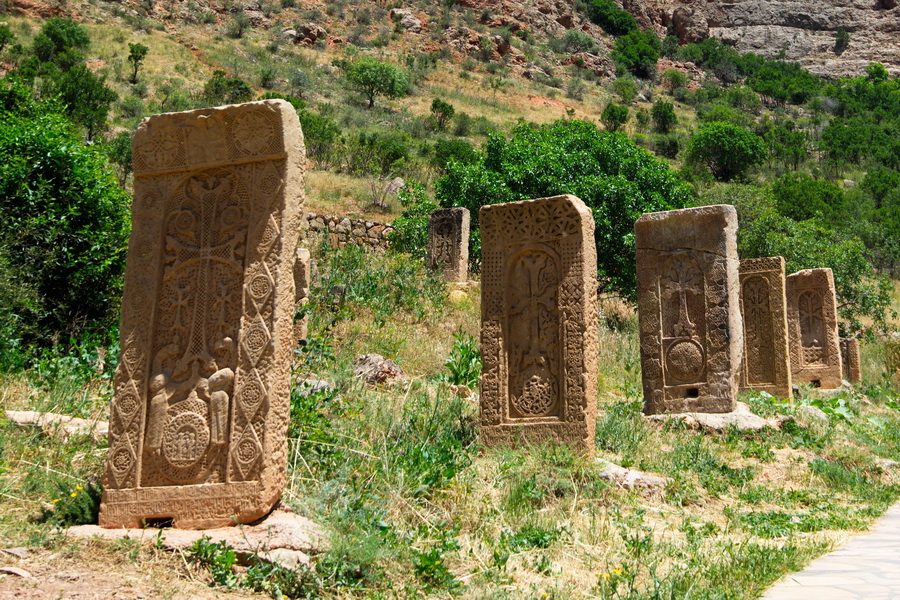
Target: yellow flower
[
  {"x": 605, "y": 576},
  {"x": 55, "y": 500},
  {"x": 73, "y": 494},
  {"x": 79, "y": 488},
  {"x": 617, "y": 570}
]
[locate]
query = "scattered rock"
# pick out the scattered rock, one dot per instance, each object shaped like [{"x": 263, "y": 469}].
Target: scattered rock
[
  {"x": 309, "y": 33},
  {"x": 741, "y": 418},
  {"x": 394, "y": 186},
  {"x": 812, "y": 412},
  {"x": 849, "y": 183},
  {"x": 464, "y": 392},
  {"x": 631, "y": 478},
  {"x": 282, "y": 537},
  {"x": 16, "y": 571},
  {"x": 532, "y": 71},
  {"x": 17, "y": 552},
  {"x": 406, "y": 19},
  {"x": 289, "y": 35},
  {"x": 313, "y": 386},
  {"x": 56, "y": 425},
  {"x": 886, "y": 463},
  {"x": 690, "y": 26},
  {"x": 376, "y": 369}
]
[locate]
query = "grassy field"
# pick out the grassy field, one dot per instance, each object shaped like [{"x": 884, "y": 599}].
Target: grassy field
[{"x": 415, "y": 507}]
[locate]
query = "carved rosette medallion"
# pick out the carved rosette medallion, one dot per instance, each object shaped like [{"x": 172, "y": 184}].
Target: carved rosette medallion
[
  {"x": 198, "y": 424},
  {"x": 538, "y": 322}
]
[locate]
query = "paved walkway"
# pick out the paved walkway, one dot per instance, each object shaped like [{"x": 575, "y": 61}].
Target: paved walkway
[{"x": 867, "y": 567}]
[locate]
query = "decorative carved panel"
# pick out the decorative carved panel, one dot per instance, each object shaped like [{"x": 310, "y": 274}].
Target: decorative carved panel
[
  {"x": 690, "y": 328},
  {"x": 198, "y": 423},
  {"x": 539, "y": 338},
  {"x": 448, "y": 242},
  {"x": 813, "y": 328}
]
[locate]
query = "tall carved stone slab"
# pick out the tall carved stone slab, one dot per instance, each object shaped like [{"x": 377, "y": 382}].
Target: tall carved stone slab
[
  {"x": 813, "y": 328},
  {"x": 539, "y": 337},
  {"x": 850, "y": 364},
  {"x": 688, "y": 301},
  {"x": 302, "y": 269},
  {"x": 198, "y": 425},
  {"x": 448, "y": 242},
  {"x": 767, "y": 360}
]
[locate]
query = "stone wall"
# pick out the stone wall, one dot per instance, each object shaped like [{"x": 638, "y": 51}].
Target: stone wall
[{"x": 344, "y": 230}]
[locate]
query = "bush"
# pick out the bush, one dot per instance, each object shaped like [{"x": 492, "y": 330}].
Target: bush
[
  {"x": 726, "y": 150},
  {"x": 638, "y": 52},
  {"x": 572, "y": 42},
  {"x": 65, "y": 224},
  {"x": 668, "y": 146},
  {"x": 673, "y": 79},
  {"x": 608, "y": 172},
  {"x": 664, "y": 117},
  {"x": 410, "y": 233},
  {"x": 442, "y": 112},
  {"x": 800, "y": 197},
  {"x": 614, "y": 116},
  {"x": 61, "y": 41},
  {"x": 373, "y": 78},
  {"x": 610, "y": 17},
  {"x": 221, "y": 89},
  {"x": 454, "y": 149},
  {"x": 321, "y": 135},
  {"x": 626, "y": 88}
]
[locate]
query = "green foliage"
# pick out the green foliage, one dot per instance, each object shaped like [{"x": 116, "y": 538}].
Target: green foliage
[
  {"x": 7, "y": 37},
  {"x": 136, "y": 55},
  {"x": 430, "y": 568},
  {"x": 668, "y": 146},
  {"x": 626, "y": 88},
  {"x": 614, "y": 116},
  {"x": 453, "y": 149},
  {"x": 238, "y": 25},
  {"x": 86, "y": 97},
  {"x": 119, "y": 151},
  {"x": 573, "y": 41},
  {"x": 74, "y": 504},
  {"x": 663, "y": 114},
  {"x": 841, "y": 40},
  {"x": 410, "y": 233},
  {"x": 609, "y": 16},
  {"x": 222, "y": 89},
  {"x": 218, "y": 558},
  {"x": 674, "y": 78},
  {"x": 321, "y": 135},
  {"x": 801, "y": 197},
  {"x": 65, "y": 222},
  {"x": 442, "y": 112},
  {"x": 61, "y": 41},
  {"x": 464, "y": 363},
  {"x": 726, "y": 150},
  {"x": 614, "y": 177},
  {"x": 372, "y": 78},
  {"x": 382, "y": 152},
  {"x": 876, "y": 73},
  {"x": 637, "y": 51},
  {"x": 807, "y": 245}
]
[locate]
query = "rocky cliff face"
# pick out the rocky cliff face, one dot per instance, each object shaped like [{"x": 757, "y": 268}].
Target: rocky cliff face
[{"x": 805, "y": 31}]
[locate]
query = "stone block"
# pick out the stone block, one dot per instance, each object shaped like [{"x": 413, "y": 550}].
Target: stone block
[
  {"x": 448, "y": 243},
  {"x": 689, "y": 309},
  {"x": 850, "y": 366},
  {"x": 198, "y": 424},
  {"x": 813, "y": 328},
  {"x": 539, "y": 336},
  {"x": 301, "y": 289},
  {"x": 767, "y": 361}
]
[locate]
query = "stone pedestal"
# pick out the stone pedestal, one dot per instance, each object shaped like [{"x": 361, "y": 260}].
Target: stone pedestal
[
  {"x": 198, "y": 425},
  {"x": 689, "y": 305},
  {"x": 539, "y": 337},
  {"x": 766, "y": 362},
  {"x": 813, "y": 328},
  {"x": 448, "y": 243}
]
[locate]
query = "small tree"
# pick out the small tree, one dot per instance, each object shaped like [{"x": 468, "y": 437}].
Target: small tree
[
  {"x": 442, "y": 113},
  {"x": 614, "y": 116},
  {"x": 6, "y": 36},
  {"x": 221, "y": 89},
  {"x": 673, "y": 79},
  {"x": 626, "y": 88},
  {"x": 86, "y": 96},
  {"x": 136, "y": 55},
  {"x": 841, "y": 40},
  {"x": 373, "y": 78},
  {"x": 664, "y": 117},
  {"x": 727, "y": 150},
  {"x": 638, "y": 52},
  {"x": 61, "y": 41}
]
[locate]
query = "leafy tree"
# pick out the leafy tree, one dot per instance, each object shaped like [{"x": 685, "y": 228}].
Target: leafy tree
[
  {"x": 573, "y": 41},
  {"x": 726, "y": 150},
  {"x": 626, "y": 88},
  {"x": 614, "y": 116},
  {"x": 668, "y": 146},
  {"x": 442, "y": 112},
  {"x": 410, "y": 232},
  {"x": 65, "y": 220},
  {"x": 615, "y": 178},
  {"x": 663, "y": 114},
  {"x": 6, "y": 36},
  {"x": 136, "y": 55},
  {"x": 61, "y": 41},
  {"x": 673, "y": 78},
  {"x": 638, "y": 51},
  {"x": 610, "y": 17},
  {"x": 373, "y": 78},
  {"x": 221, "y": 89},
  {"x": 807, "y": 245},
  {"x": 119, "y": 151},
  {"x": 454, "y": 149},
  {"x": 875, "y": 72},
  {"x": 801, "y": 197},
  {"x": 86, "y": 97},
  {"x": 321, "y": 135},
  {"x": 841, "y": 40},
  {"x": 788, "y": 144}
]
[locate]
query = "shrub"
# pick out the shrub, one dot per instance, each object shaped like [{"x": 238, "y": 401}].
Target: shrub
[
  {"x": 638, "y": 52},
  {"x": 608, "y": 172},
  {"x": 221, "y": 89},
  {"x": 373, "y": 78},
  {"x": 61, "y": 41},
  {"x": 86, "y": 97},
  {"x": 237, "y": 26},
  {"x": 614, "y": 116},
  {"x": 800, "y": 197},
  {"x": 726, "y": 150},
  {"x": 626, "y": 88},
  {"x": 65, "y": 223},
  {"x": 455, "y": 149},
  {"x": 610, "y": 17},
  {"x": 673, "y": 78},
  {"x": 410, "y": 233},
  {"x": 321, "y": 135},
  {"x": 668, "y": 146},
  {"x": 664, "y": 117},
  {"x": 442, "y": 112},
  {"x": 573, "y": 41}
]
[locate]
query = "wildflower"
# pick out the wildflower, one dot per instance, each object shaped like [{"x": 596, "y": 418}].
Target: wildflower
[
  {"x": 73, "y": 495},
  {"x": 55, "y": 500},
  {"x": 605, "y": 575},
  {"x": 79, "y": 488},
  {"x": 617, "y": 570}
]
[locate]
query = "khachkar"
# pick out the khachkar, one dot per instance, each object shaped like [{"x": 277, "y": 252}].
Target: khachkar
[
  {"x": 850, "y": 360},
  {"x": 767, "y": 362},
  {"x": 198, "y": 427},
  {"x": 688, "y": 300},
  {"x": 539, "y": 337},
  {"x": 813, "y": 328},
  {"x": 448, "y": 242}
]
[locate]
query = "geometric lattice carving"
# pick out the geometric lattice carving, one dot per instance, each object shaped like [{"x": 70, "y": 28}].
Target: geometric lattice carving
[
  {"x": 539, "y": 338},
  {"x": 766, "y": 360},
  {"x": 198, "y": 429},
  {"x": 448, "y": 242},
  {"x": 688, "y": 300},
  {"x": 813, "y": 328}
]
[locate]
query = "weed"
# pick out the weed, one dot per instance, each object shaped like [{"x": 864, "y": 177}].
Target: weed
[
  {"x": 218, "y": 558},
  {"x": 464, "y": 363}
]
